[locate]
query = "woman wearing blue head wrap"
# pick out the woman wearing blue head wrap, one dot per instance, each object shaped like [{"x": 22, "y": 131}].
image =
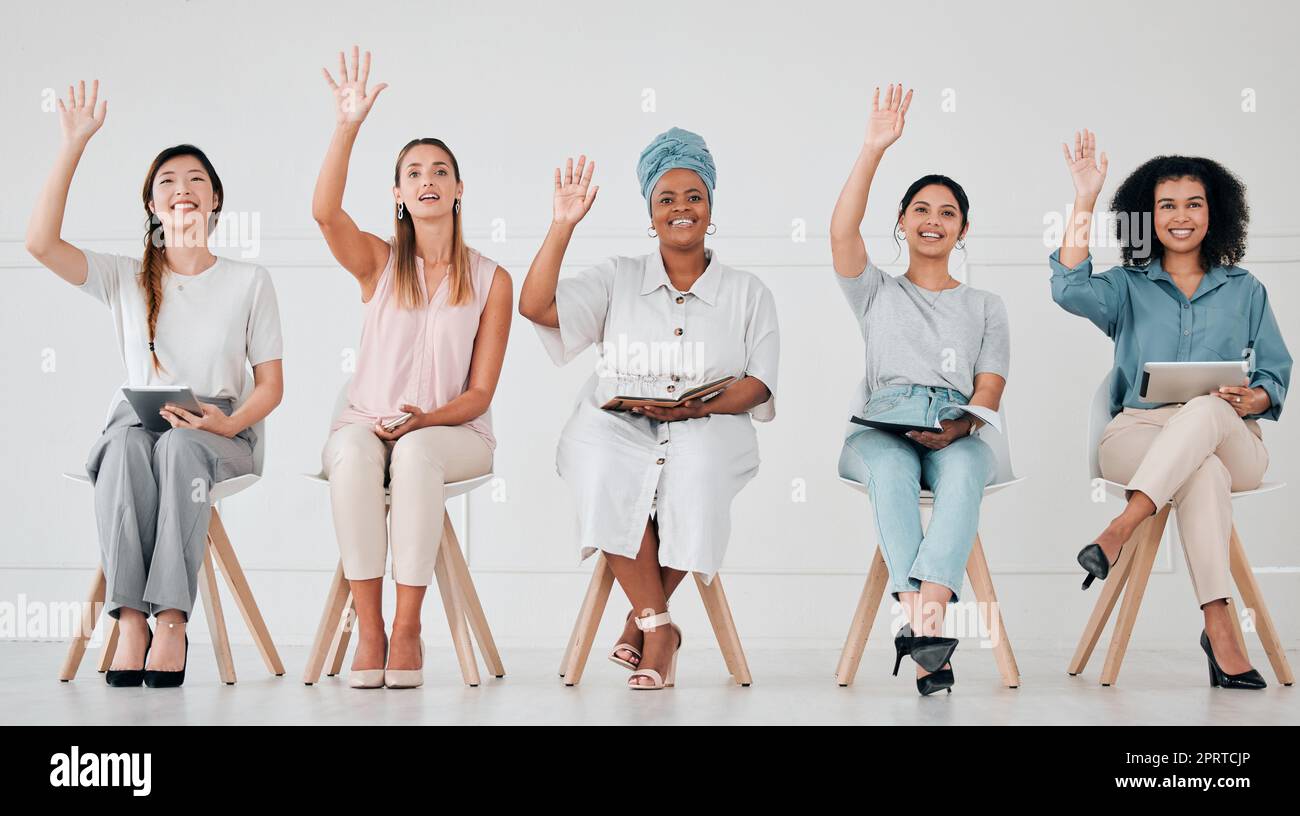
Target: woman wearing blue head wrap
[{"x": 654, "y": 485}]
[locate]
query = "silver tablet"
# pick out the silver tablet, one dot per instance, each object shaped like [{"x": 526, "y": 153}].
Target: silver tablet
[
  {"x": 148, "y": 400},
  {"x": 1181, "y": 382}
]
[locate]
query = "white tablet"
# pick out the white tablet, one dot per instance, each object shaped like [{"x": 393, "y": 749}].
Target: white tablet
[
  {"x": 1182, "y": 382},
  {"x": 148, "y": 400}
]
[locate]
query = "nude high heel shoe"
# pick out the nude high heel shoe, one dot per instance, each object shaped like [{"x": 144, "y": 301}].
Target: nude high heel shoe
[
  {"x": 406, "y": 678},
  {"x": 367, "y": 678},
  {"x": 625, "y": 647},
  {"x": 647, "y": 623}
]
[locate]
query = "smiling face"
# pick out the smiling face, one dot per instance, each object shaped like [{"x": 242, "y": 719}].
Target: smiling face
[
  {"x": 1182, "y": 215},
  {"x": 427, "y": 182},
  {"x": 679, "y": 208},
  {"x": 932, "y": 221},
  {"x": 183, "y": 199}
]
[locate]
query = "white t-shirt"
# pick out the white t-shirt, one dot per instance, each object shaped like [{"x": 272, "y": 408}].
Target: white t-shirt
[{"x": 208, "y": 326}]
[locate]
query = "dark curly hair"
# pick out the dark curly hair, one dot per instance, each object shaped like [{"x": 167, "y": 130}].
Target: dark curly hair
[{"x": 1134, "y": 202}]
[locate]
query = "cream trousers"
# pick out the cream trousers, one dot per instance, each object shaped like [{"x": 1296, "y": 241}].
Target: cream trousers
[
  {"x": 415, "y": 469},
  {"x": 1195, "y": 455}
]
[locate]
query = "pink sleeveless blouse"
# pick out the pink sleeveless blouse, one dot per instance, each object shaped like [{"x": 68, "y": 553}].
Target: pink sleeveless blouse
[{"x": 419, "y": 356}]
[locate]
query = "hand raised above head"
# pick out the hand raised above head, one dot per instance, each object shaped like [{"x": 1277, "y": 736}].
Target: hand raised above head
[
  {"x": 80, "y": 117},
  {"x": 574, "y": 192},
  {"x": 888, "y": 117},
  {"x": 352, "y": 102}
]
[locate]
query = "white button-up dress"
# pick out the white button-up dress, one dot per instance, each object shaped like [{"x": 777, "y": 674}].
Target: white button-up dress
[{"x": 655, "y": 341}]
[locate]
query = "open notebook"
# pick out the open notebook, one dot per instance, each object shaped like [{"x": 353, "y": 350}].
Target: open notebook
[
  {"x": 978, "y": 411},
  {"x": 699, "y": 392}
]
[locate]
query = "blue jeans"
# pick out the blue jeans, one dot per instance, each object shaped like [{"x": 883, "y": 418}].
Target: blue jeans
[{"x": 895, "y": 469}]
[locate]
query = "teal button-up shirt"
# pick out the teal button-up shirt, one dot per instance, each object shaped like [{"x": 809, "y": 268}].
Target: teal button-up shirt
[{"x": 1151, "y": 320}]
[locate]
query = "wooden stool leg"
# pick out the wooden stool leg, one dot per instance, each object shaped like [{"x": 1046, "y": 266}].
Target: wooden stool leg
[
  {"x": 584, "y": 629},
  {"x": 473, "y": 608},
  {"x": 110, "y": 644},
  {"x": 1111, "y": 589},
  {"x": 981, "y": 581},
  {"x": 873, "y": 591},
  {"x": 229, "y": 567},
  {"x": 1253, "y": 600},
  {"x": 724, "y": 628},
  {"x": 342, "y": 636},
  {"x": 1128, "y": 610},
  {"x": 454, "y": 606},
  {"x": 89, "y": 615},
  {"x": 211, "y": 595},
  {"x": 328, "y": 626}
]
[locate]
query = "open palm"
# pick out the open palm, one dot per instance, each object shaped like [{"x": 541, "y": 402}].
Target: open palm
[
  {"x": 79, "y": 116},
  {"x": 1087, "y": 173},
  {"x": 574, "y": 192},
  {"x": 352, "y": 101},
  {"x": 886, "y": 122}
]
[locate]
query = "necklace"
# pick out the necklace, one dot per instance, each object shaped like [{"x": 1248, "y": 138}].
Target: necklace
[{"x": 931, "y": 302}]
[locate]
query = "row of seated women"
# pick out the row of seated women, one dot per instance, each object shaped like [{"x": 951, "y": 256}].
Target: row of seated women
[{"x": 653, "y": 486}]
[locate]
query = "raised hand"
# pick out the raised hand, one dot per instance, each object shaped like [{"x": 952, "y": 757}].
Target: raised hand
[
  {"x": 574, "y": 192},
  {"x": 352, "y": 101},
  {"x": 79, "y": 117},
  {"x": 886, "y": 122},
  {"x": 1087, "y": 174}
]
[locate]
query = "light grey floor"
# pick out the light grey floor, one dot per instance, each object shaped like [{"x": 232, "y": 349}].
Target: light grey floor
[{"x": 790, "y": 686}]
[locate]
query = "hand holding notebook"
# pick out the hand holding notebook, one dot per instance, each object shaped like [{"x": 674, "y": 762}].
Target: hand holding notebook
[{"x": 623, "y": 403}]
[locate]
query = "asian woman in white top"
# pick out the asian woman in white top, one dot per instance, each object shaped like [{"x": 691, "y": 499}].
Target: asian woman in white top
[
  {"x": 654, "y": 486},
  {"x": 183, "y": 316}
]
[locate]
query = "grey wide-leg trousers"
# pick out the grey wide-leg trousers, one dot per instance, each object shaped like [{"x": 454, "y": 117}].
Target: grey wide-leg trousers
[{"x": 152, "y": 507}]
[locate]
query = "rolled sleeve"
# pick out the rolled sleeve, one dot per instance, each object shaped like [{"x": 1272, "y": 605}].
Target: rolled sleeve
[
  {"x": 1096, "y": 297},
  {"x": 763, "y": 351},
  {"x": 582, "y": 304}
]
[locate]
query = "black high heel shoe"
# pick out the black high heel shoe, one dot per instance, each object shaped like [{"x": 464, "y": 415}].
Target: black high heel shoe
[
  {"x": 1249, "y": 679},
  {"x": 126, "y": 678},
  {"x": 941, "y": 680},
  {"x": 1094, "y": 561},
  {"x": 154, "y": 678},
  {"x": 929, "y": 652}
]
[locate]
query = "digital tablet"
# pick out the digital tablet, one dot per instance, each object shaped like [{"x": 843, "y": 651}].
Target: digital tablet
[
  {"x": 1182, "y": 382},
  {"x": 148, "y": 400}
]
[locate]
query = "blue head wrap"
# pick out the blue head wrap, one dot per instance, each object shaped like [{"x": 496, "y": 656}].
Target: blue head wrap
[{"x": 672, "y": 149}]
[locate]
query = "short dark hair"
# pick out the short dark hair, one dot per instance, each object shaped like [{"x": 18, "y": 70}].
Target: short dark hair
[{"x": 1225, "y": 196}]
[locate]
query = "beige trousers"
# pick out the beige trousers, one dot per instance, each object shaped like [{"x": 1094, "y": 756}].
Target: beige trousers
[
  {"x": 1194, "y": 455},
  {"x": 415, "y": 468}
]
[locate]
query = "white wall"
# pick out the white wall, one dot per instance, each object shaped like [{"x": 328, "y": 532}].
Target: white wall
[{"x": 780, "y": 92}]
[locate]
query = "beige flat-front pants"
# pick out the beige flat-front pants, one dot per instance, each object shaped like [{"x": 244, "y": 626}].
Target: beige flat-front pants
[
  {"x": 415, "y": 468},
  {"x": 1195, "y": 455}
]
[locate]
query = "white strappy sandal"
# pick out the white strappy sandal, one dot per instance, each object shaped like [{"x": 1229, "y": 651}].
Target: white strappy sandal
[{"x": 646, "y": 624}]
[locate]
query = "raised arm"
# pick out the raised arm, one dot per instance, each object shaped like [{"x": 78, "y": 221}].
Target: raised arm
[
  {"x": 79, "y": 118},
  {"x": 848, "y": 250},
  {"x": 362, "y": 253},
  {"x": 1088, "y": 176},
  {"x": 574, "y": 195},
  {"x": 1097, "y": 297}
]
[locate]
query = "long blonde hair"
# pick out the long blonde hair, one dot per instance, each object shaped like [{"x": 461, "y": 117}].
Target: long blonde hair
[
  {"x": 460, "y": 282},
  {"x": 154, "y": 263}
]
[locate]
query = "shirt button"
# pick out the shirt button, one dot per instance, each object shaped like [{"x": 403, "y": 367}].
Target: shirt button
[
  {"x": 677, "y": 332},
  {"x": 1185, "y": 333},
  {"x": 672, "y": 388},
  {"x": 659, "y": 462},
  {"x": 1187, "y": 305},
  {"x": 681, "y": 299}
]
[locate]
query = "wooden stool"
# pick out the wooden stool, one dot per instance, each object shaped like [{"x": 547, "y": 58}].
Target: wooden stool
[
  {"x": 1133, "y": 568},
  {"x": 981, "y": 582},
  {"x": 218, "y": 553},
  {"x": 459, "y": 600},
  {"x": 593, "y": 607}
]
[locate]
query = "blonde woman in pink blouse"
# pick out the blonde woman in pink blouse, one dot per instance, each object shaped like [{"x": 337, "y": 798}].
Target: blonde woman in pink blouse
[{"x": 436, "y": 315}]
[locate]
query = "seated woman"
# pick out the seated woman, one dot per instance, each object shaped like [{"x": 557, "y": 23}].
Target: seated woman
[
  {"x": 932, "y": 345},
  {"x": 654, "y": 486},
  {"x": 183, "y": 317},
  {"x": 1179, "y": 296},
  {"x": 435, "y": 319}
]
